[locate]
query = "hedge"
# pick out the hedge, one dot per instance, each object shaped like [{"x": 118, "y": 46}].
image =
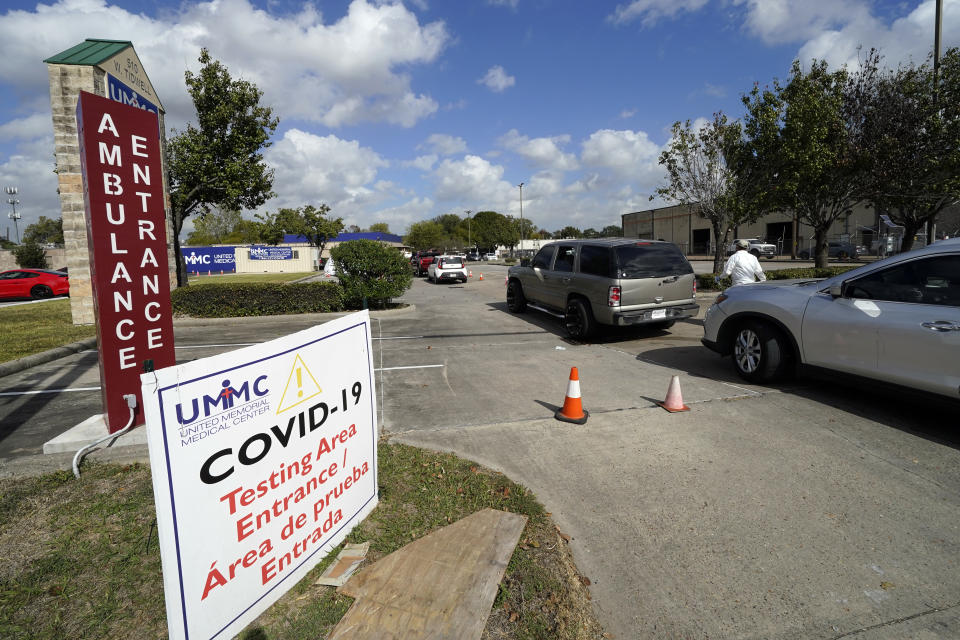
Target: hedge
[
  {"x": 256, "y": 299},
  {"x": 705, "y": 280}
]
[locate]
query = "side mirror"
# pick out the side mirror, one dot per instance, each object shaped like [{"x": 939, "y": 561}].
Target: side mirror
[
  {"x": 836, "y": 291},
  {"x": 524, "y": 262}
]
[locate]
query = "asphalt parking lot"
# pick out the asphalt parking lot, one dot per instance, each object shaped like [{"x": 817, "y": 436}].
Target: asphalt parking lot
[{"x": 813, "y": 509}]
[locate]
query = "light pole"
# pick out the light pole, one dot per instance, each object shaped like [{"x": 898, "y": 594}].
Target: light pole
[
  {"x": 13, "y": 202},
  {"x": 521, "y": 218},
  {"x": 469, "y": 235}
]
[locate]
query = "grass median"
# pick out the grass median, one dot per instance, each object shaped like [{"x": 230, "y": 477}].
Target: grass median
[
  {"x": 33, "y": 328},
  {"x": 81, "y": 557}
]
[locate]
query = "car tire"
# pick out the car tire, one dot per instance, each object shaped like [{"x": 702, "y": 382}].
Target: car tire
[
  {"x": 516, "y": 301},
  {"x": 578, "y": 319},
  {"x": 41, "y": 292},
  {"x": 760, "y": 353},
  {"x": 756, "y": 254}
]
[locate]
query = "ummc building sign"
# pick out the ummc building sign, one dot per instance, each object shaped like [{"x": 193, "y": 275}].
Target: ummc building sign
[{"x": 110, "y": 69}]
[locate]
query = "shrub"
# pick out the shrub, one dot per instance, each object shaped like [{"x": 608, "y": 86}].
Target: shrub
[
  {"x": 370, "y": 272},
  {"x": 30, "y": 255},
  {"x": 510, "y": 260},
  {"x": 259, "y": 299},
  {"x": 705, "y": 280}
]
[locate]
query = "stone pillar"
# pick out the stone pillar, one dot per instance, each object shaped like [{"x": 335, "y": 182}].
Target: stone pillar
[{"x": 66, "y": 82}]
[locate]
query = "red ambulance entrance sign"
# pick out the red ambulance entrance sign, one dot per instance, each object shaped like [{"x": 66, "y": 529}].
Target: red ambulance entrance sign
[{"x": 126, "y": 233}]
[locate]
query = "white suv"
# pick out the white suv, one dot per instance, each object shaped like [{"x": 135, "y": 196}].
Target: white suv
[
  {"x": 446, "y": 268},
  {"x": 896, "y": 320}
]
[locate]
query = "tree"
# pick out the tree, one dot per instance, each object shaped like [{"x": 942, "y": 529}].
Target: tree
[
  {"x": 910, "y": 140},
  {"x": 424, "y": 235},
  {"x": 798, "y": 139},
  {"x": 30, "y": 255},
  {"x": 213, "y": 227},
  {"x": 570, "y": 232},
  {"x": 702, "y": 175},
  {"x": 491, "y": 229},
  {"x": 309, "y": 221},
  {"x": 370, "y": 272},
  {"x": 380, "y": 227},
  {"x": 611, "y": 231},
  {"x": 45, "y": 230},
  {"x": 352, "y": 228},
  {"x": 246, "y": 232},
  {"x": 591, "y": 233},
  {"x": 218, "y": 162}
]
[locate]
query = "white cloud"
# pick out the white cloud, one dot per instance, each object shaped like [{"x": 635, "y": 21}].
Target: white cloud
[
  {"x": 311, "y": 169},
  {"x": 778, "y": 21},
  {"x": 496, "y": 79},
  {"x": 471, "y": 181},
  {"x": 443, "y": 144},
  {"x": 28, "y": 128},
  {"x": 628, "y": 113},
  {"x": 541, "y": 152},
  {"x": 338, "y": 73},
  {"x": 424, "y": 163},
  {"x": 650, "y": 11},
  {"x": 504, "y": 3},
  {"x": 625, "y": 153},
  {"x": 401, "y": 216}
]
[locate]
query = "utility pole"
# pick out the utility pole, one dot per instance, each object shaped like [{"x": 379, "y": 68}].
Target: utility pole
[
  {"x": 13, "y": 202},
  {"x": 521, "y": 219},
  {"x": 937, "y": 28},
  {"x": 469, "y": 234}
]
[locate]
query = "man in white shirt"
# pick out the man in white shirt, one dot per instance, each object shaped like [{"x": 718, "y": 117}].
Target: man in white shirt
[{"x": 743, "y": 266}]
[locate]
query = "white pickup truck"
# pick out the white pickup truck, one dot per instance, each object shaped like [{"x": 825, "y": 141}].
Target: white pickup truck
[
  {"x": 757, "y": 248},
  {"x": 447, "y": 268}
]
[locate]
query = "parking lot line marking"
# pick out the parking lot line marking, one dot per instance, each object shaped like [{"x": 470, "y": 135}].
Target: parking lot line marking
[
  {"x": 30, "y": 393},
  {"x": 421, "y": 366}
]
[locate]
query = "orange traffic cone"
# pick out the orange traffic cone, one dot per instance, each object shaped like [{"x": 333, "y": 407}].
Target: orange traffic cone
[
  {"x": 481, "y": 275},
  {"x": 470, "y": 274},
  {"x": 674, "y": 401},
  {"x": 572, "y": 410}
]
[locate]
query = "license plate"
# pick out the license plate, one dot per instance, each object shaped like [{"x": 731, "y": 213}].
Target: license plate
[{"x": 658, "y": 314}]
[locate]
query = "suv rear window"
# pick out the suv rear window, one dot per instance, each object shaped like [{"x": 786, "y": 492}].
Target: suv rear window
[
  {"x": 595, "y": 261},
  {"x": 651, "y": 260},
  {"x": 451, "y": 262}
]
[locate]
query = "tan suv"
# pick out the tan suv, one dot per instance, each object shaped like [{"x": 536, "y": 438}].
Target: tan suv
[{"x": 611, "y": 281}]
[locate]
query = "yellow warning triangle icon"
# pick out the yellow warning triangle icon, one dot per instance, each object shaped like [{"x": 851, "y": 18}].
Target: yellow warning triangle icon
[{"x": 301, "y": 386}]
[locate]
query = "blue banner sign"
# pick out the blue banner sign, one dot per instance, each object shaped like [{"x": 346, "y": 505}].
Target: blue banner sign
[
  {"x": 261, "y": 252},
  {"x": 209, "y": 258},
  {"x": 119, "y": 92}
]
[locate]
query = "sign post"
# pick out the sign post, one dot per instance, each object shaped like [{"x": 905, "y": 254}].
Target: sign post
[
  {"x": 122, "y": 171},
  {"x": 263, "y": 459}
]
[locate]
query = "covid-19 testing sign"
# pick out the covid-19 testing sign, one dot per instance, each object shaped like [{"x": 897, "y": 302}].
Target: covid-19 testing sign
[{"x": 263, "y": 460}]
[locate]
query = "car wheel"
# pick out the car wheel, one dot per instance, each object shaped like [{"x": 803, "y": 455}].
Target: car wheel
[
  {"x": 516, "y": 301},
  {"x": 756, "y": 254},
  {"x": 578, "y": 320},
  {"x": 40, "y": 292},
  {"x": 760, "y": 353}
]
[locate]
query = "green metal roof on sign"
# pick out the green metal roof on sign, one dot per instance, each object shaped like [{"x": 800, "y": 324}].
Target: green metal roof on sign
[{"x": 90, "y": 52}]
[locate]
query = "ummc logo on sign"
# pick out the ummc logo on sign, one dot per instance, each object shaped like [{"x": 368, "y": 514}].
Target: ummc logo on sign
[
  {"x": 210, "y": 257},
  {"x": 119, "y": 92},
  {"x": 224, "y": 399}
]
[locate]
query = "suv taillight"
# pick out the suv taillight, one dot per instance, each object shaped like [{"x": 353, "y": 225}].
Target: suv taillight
[
  {"x": 694, "y": 286},
  {"x": 613, "y": 297}
]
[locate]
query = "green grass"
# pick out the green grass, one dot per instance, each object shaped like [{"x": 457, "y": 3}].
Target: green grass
[
  {"x": 32, "y": 328},
  {"x": 80, "y": 557},
  {"x": 234, "y": 278}
]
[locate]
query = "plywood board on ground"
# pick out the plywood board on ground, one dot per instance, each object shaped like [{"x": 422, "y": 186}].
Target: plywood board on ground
[{"x": 440, "y": 586}]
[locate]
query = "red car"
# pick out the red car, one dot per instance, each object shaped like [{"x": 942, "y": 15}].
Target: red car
[{"x": 33, "y": 283}]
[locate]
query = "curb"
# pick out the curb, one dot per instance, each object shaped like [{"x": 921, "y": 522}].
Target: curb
[
  {"x": 319, "y": 317},
  {"x": 15, "y": 366}
]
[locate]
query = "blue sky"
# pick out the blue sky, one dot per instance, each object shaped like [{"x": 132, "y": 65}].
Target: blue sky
[{"x": 400, "y": 111}]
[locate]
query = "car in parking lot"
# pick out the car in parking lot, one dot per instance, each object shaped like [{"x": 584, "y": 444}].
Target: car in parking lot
[
  {"x": 896, "y": 321},
  {"x": 33, "y": 283},
  {"x": 757, "y": 247},
  {"x": 447, "y": 269},
  {"x": 610, "y": 281},
  {"x": 838, "y": 250},
  {"x": 489, "y": 256}
]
